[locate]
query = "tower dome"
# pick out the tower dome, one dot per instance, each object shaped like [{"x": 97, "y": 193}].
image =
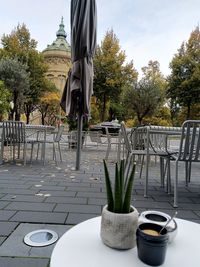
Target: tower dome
[{"x": 58, "y": 58}]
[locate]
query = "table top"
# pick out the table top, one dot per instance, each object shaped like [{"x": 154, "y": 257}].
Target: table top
[{"x": 82, "y": 246}]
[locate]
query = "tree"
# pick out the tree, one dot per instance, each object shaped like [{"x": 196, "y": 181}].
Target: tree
[
  {"x": 147, "y": 95},
  {"x": 39, "y": 85},
  {"x": 5, "y": 97},
  {"x": 20, "y": 44},
  {"x": 184, "y": 81},
  {"x": 111, "y": 73},
  {"x": 49, "y": 107},
  {"x": 16, "y": 79}
]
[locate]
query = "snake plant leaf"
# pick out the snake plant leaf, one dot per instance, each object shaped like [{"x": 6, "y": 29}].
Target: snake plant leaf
[
  {"x": 128, "y": 193},
  {"x": 117, "y": 191},
  {"x": 110, "y": 200},
  {"x": 121, "y": 175}
]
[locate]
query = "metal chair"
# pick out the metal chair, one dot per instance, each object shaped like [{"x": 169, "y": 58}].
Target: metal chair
[
  {"x": 146, "y": 143},
  {"x": 132, "y": 148},
  {"x": 95, "y": 137},
  {"x": 13, "y": 136},
  {"x": 112, "y": 139},
  {"x": 189, "y": 151},
  {"x": 54, "y": 138}
]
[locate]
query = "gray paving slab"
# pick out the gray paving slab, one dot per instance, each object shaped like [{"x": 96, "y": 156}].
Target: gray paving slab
[
  {"x": 66, "y": 200},
  {"x": 75, "y": 218},
  {"x": 2, "y": 239},
  {"x": 83, "y": 189},
  {"x": 6, "y": 228},
  {"x": 30, "y": 206},
  {"x": 5, "y": 215},
  {"x": 78, "y": 208},
  {"x": 58, "y": 193},
  {"x": 17, "y": 186},
  {"x": 40, "y": 217},
  {"x": 3, "y": 204},
  {"x": 91, "y": 194},
  {"x": 14, "y": 245},
  {"x": 23, "y": 262},
  {"x": 23, "y": 198},
  {"x": 97, "y": 201},
  {"x": 18, "y": 191},
  {"x": 48, "y": 187}
]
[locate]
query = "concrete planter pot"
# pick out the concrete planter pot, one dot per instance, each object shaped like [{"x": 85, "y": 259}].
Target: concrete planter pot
[{"x": 119, "y": 230}]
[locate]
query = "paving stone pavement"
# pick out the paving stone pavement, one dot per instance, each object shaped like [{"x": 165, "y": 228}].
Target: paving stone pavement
[{"x": 61, "y": 196}]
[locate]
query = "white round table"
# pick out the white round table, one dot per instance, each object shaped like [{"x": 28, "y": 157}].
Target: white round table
[{"x": 81, "y": 246}]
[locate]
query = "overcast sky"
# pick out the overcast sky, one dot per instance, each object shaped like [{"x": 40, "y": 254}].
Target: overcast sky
[{"x": 147, "y": 29}]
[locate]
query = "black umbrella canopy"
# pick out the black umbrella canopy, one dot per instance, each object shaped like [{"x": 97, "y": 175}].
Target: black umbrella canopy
[{"x": 79, "y": 86}]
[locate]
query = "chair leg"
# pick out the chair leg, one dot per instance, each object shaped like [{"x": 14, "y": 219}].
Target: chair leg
[
  {"x": 141, "y": 167},
  {"x": 14, "y": 152},
  {"x": 147, "y": 176},
  {"x": 60, "y": 151},
  {"x": 38, "y": 148},
  {"x": 18, "y": 151},
  {"x": 188, "y": 167},
  {"x": 43, "y": 152},
  {"x": 2, "y": 150},
  {"x": 176, "y": 186},
  {"x": 108, "y": 151},
  {"x": 32, "y": 147},
  {"x": 168, "y": 176},
  {"x": 162, "y": 177},
  {"x": 186, "y": 173},
  {"x": 24, "y": 153},
  {"x": 189, "y": 171},
  {"x": 54, "y": 153}
]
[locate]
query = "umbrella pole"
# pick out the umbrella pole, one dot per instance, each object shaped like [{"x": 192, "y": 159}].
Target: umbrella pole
[{"x": 79, "y": 140}]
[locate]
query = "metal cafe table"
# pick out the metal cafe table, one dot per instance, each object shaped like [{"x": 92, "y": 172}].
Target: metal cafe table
[{"x": 81, "y": 246}]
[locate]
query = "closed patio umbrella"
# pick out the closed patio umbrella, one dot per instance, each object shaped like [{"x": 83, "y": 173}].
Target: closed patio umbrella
[{"x": 79, "y": 86}]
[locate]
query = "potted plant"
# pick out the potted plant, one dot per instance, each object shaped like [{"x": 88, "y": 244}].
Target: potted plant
[{"x": 119, "y": 219}]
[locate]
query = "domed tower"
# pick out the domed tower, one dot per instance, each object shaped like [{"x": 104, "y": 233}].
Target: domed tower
[{"x": 58, "y": 57}]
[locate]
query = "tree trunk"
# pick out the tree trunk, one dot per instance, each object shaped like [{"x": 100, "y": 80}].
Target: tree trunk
[
  {"x": 11, "y": 115},
  {"x": 111, "y": 114},
  {"x": 27, "y": 117},
  {"x": 139, "y": 119},
  {"x": 17, "y": 116},
  {"x": 188, "y": 111},
  {"x": 104, "y": 108},
  {"x": 43, "y": 117},
  {"x": 17, "y": 113}
]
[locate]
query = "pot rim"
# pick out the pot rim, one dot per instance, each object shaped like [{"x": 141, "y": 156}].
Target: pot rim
[{"x": 133, "y": 209}]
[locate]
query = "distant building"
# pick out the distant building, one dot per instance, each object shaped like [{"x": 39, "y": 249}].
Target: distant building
[{"x": 58, "y": 58}]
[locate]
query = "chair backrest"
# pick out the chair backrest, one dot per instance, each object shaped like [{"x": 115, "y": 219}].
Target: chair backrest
[
  {"x": 125, "y": 138},
  {"x": 153, "y": 138},
  {"x": 108, "y": 135},
  {"x": 95, "y": 136},
  {"x": 138, "y": 137},
  {"x": 190, "y": 141},
  {"x": 13, "y": 132},
  {"x": 58, "y": 135}
]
